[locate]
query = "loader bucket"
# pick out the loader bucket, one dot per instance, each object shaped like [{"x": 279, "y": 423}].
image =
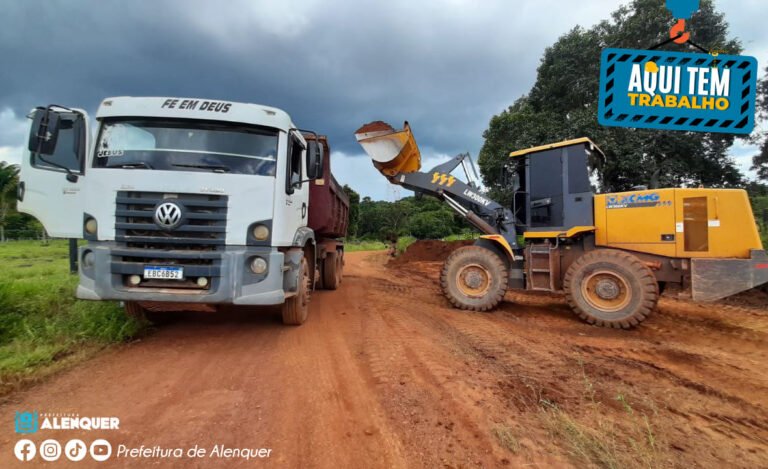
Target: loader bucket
[{"x": 392, "y": 151}]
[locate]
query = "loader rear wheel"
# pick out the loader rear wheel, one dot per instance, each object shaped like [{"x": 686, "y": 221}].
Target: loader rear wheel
[
  {"x": 296, "y": 308},
  {"x": 332, "y": 271},
  {"x": 474, "y": 278},
  {"x": 611, "y": 289}
]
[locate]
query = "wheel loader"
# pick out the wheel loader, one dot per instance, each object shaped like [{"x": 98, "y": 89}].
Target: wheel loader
[{"x": 611, "y": 254}]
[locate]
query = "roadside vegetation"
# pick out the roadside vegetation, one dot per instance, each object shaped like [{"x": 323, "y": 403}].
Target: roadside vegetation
[{"x": 42, "y": 325}]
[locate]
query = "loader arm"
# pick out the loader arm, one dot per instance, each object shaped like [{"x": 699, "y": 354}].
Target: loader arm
[
  {"x": 485, "y": 214},
  {"x": 397, "y": 157}
]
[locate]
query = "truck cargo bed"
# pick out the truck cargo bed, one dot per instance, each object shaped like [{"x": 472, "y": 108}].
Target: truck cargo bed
[{"x": 328, "y": 203}]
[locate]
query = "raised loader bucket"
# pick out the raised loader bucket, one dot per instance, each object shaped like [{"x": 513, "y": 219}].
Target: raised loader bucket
[{"x": 392, "y": 151}]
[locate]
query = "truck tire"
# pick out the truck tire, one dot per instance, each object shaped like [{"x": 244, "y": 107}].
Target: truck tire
[
  {"x": 331, "y": 274},
  {"x": 134, "y": 310},
  {"x": 295, "y": 308},
  {"x": 611, "y": 288},
  {"x": 474, "y": 279}
]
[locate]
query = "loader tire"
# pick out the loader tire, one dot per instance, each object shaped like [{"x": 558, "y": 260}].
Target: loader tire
[
  {"x": 331, "y": 271},
  {"x": 611, "y": 288},
  {"x": 296, "y": 308},
  {"x": 474, "y": 279}
]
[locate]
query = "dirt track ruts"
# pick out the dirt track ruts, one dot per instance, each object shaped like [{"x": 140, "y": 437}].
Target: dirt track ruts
[{"x": 386, "y": 374}]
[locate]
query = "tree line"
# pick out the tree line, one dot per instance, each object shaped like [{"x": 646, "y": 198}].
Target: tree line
[{"x": 420, "y": 217}]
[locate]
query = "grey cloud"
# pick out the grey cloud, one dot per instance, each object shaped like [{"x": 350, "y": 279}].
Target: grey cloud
[{"x": 446, "y": 66}]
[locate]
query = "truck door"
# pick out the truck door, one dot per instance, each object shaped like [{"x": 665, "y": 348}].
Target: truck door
[
  {"x": 298, "y": 192},
  {"x": 51, "y": 185}
]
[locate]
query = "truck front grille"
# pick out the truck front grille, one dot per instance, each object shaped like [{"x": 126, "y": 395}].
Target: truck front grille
[
  {"x": 196, "y": 244},
  {"x": 203, "y": 229}
]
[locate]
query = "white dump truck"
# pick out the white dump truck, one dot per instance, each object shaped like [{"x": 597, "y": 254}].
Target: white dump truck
[{"x": 188, "y": 202}]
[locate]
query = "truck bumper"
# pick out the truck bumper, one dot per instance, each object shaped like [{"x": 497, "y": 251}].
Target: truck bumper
[
  {"x": 106, "y": 266},
  {"x": 713, "y": 279}
]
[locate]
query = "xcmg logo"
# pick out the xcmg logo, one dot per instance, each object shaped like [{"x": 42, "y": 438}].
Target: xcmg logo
[{"x": 651, "y": 199}]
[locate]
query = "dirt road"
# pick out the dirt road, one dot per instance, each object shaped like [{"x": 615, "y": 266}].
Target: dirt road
[{"x": 385, "y": 374}]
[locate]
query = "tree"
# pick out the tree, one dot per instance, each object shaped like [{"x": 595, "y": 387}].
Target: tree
[
  {"x": 760, "y": 161},
  {"x": 9, "y": 180},
  {"x": 354, "y": 210},
  {"x": 563, "y": 104}
]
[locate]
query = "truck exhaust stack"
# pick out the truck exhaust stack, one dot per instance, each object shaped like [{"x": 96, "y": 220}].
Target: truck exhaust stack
[{"x": 392, "y": 151}]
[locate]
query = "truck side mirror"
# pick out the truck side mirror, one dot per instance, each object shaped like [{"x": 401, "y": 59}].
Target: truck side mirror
[
  {"x": 44, "y": 132},
  {"x": 314, "y": 159}
]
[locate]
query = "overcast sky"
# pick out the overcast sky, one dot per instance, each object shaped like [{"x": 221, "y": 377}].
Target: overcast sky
[{"x": 445, "y": 66}]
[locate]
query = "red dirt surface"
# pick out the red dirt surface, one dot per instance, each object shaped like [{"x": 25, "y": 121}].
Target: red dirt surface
[
  {"x": 428, "y": 250},
  {"x": 386, "y": 374}
]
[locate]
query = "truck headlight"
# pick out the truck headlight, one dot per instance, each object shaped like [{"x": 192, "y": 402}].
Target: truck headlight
[
  {"x": 258, "y": 265},
  {"x": 88, "y": 259},
  {"x": 91, "y": 227},
  {"x": 260, "y": 232}
]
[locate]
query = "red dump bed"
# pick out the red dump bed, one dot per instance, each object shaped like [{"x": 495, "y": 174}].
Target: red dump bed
[{"x": 328, "y": 203}]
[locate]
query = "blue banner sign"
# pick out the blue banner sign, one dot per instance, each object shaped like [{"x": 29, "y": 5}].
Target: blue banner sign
[{"x": 677, "y": 91}]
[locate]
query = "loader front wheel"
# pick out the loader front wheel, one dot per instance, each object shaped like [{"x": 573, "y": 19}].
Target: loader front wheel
[
  {"x": 474, "y": 278},
  {"x": 611, "y": 289},
  {"x": 296, "y": 308}
]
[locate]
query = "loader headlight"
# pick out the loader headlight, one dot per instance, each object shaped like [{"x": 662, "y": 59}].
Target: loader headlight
[
  {"x": 258, "y": 265},
  {"x": 260, "y": 232},
  {"x": 91, "y": 227}
]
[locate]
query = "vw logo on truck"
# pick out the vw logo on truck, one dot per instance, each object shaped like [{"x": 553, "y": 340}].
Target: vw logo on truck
[{"x": 168, "y": 215}]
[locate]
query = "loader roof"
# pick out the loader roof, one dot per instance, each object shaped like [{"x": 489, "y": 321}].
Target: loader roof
[{"x": 551, "y": 146}]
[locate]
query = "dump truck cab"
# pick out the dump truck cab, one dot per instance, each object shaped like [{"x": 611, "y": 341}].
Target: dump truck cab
[{"x": 181, "y": 200}]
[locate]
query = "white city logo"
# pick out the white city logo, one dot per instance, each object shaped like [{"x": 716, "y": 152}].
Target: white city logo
[{"x": 24, "y": 450}]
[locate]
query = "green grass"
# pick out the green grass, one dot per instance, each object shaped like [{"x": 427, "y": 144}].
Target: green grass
[
  {"x": 41, "y": 322},
  {"x": 403, "y": 242},
  {"x": 354, "y": 246},
  {"x": 593, "y": 436}
]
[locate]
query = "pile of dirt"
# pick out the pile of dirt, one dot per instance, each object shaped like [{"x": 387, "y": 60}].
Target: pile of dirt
[{"x": 428, "y": 251}]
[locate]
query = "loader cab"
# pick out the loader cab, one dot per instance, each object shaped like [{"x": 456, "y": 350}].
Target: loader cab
[{"x": 552, "y": 186}]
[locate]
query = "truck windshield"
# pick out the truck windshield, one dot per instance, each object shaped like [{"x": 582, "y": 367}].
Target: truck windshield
[{"x": 186, "y": 145}]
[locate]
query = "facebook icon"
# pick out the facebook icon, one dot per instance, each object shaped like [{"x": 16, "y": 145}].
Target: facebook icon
[
  {"x": 24, "y": 450},
  {"x": 26, "y": 422}
]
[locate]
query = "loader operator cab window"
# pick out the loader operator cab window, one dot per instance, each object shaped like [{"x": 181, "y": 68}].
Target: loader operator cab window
[
  {"x": 293, "y": 178},
  {"x": 67, "y": 153}
]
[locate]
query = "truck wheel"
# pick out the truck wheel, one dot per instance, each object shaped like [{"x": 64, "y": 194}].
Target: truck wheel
[
  {"x": 611, "y": 289},
  {"x": 331, "y": 271},
  {"x": 134, "y": 310},
  {"x": 340, "y": 265},
  {"x": 295, "y": 308},
  {"x": 474, "y": 278}
]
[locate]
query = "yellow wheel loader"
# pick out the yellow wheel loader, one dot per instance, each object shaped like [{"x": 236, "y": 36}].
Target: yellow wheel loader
[{"x": 611, "y": 254}]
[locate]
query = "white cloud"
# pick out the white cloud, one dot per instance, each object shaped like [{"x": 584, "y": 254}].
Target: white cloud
[
  {"x": 11, "y": 155},
  {"x": 358, "y": 171},
  {"x": 13, "y": 133}
]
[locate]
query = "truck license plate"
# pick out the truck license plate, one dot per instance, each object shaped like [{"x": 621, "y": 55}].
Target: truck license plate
[{"x": 163, "y": 273}]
